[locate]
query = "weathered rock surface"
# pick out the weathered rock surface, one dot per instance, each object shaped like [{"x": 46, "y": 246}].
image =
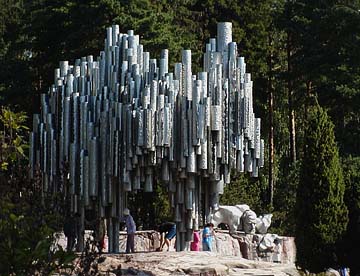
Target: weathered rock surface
[
  {"x": 224, "y": 244},
  {"x": 233, "y": 255},
  {"x": 189, "y": 263},
  {"x": 240, "y": 244}
]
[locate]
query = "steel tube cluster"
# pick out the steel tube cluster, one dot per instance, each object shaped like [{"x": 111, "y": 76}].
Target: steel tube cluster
[{"x": 122, "y": 122}]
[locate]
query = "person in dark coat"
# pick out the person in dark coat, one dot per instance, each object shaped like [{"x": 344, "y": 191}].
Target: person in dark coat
[
  {"x": 70, "y": 231},
  {"x": 100, "y": 230},
  {"x": 167, "y": 233}
]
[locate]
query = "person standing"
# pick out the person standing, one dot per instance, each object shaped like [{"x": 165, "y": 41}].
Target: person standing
[
  {"x": 167, "y": 229},
  {"x": 277, "y": 251},
  {"x": 195, "y": 244},
  {"x": 207, "y": 238},
  {"x": 70, "y": 231},
  {"x": 100, "y": 230},
  {"x": 130, "y": 230}
]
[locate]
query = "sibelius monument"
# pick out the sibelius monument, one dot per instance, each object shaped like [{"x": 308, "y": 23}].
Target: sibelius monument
[{"x": 118, "y": 123}]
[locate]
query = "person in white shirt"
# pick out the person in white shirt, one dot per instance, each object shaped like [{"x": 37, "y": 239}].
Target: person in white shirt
[{"x": 277, "y": 251}]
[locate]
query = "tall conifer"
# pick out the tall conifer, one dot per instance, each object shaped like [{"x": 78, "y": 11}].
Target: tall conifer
[{"x": 320, "y": 209}]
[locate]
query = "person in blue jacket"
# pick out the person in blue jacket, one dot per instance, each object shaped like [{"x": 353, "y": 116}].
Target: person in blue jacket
[{"x": 207, "y": 237}]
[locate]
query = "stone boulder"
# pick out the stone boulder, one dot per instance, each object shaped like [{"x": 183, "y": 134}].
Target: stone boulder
[{"x": 189, "y": 263}]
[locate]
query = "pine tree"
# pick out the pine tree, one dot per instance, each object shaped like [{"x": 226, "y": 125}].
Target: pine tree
[
  {"x": 320, "y": 210},
  {"x": 65, "y": 30},
  {"x": 15, "y": 70},
  {"x": 324, "y": 46}
]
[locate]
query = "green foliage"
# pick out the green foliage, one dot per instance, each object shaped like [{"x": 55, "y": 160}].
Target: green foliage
[
  {"x": 324, "y": 40},
  {"x": 65, "y": 30},
  {"x": 12, "y": 134},
  {"x": 351, "y": 167},
  {"x": 150, "y": 209},
  {"x": 28, "y": 217},
  {"x": 244, "y": 190},
  {"x": 283, "y": 221},
  {"x": 27, "y": 246},
  {"x": 320, "y": 209},
  {"x": 15, "y": 73},
  {"x": 28, "y": 223},
  {"x": 161, "y": 205}
]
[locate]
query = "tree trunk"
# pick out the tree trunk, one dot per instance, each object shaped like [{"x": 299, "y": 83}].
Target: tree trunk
[
  {"x": 271, "y": 122},
  {"x": 290, "y": 86}
]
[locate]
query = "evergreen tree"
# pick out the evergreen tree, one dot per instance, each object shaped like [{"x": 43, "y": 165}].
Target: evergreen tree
[
  {"x": 324, "y": 43},
  {"x": 351, "y": 166},
  {"x": 158, "y": 24},
  {"x": 65, "y": 30},
  {"x": 15, "y": 70},
  {"x": 320, "y": 209}
]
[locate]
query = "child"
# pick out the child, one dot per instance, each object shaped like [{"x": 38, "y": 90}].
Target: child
[
  {"x": 208, "y": 233},
  {"x": 277, "y": 251},
  {"x": 195, "y": 244}
]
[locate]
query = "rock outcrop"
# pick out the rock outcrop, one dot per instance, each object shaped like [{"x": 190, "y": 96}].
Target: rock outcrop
[
  {"x": 238, "y": 244},
  {"x": 235, "y": 254},
  {"x": 189, "y": 263}
]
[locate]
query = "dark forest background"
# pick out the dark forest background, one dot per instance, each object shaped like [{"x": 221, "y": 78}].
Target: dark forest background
[{"x": 304, "y": 57}]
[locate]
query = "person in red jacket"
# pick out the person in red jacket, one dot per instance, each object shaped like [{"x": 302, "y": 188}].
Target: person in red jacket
[{"x": 195, "y": 244}]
